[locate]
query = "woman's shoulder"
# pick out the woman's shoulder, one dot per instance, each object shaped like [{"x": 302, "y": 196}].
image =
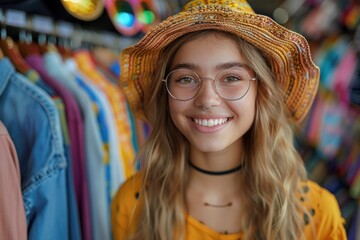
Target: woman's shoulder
[
  {"x": 322, "y": 209},
  {"x": 317, "y": 196},
  {"x": 130, "y": 189},
  {"x": 124, "y": 210},
  {"x": 126, "y": 198}
]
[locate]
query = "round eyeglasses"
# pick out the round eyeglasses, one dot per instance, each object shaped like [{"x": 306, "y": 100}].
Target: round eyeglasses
[{"x": 230, "y": 84}]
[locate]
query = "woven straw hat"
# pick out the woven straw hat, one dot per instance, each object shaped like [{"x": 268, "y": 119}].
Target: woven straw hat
[{"x": 287, "y": 52}]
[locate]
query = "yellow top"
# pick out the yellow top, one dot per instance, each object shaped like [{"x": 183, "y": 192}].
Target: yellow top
[{"x": 321, "y": 204}]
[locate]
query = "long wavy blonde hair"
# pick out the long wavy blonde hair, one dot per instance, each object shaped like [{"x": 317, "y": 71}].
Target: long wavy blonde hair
[{"x": 272, "y": 172}]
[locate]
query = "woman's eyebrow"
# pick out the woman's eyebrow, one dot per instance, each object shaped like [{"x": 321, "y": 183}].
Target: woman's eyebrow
[
  {"x": 231, "y": 65},
  {"x": 185, "y": 65},
  {"x": 221, "y": 66}
]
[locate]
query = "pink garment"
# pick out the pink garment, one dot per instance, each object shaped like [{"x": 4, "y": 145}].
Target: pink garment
[
  {"x": 344, "y": 74},
  {"x": 12, "y": 211}
]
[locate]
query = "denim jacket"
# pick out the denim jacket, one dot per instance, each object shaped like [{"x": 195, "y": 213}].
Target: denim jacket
[{"x": 33, "y": 123}]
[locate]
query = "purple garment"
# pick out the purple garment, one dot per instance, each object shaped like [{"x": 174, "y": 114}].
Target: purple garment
[
  {"x": 56, "y": 68},
  {"x": 76, "y": 132}
]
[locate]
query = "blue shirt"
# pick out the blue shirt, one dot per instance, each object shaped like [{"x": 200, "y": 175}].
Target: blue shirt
[
  {"x": 73, "y": 210},
  {"x": 33, "y": 123}
]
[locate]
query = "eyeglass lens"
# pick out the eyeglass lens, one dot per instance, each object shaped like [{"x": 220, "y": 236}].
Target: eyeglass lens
[{"x": 231, "y": 84}]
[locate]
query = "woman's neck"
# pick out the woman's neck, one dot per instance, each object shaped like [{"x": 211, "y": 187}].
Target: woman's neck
[
  {"x": 221, "y": 162},
  {"x": 213, "y": 174},
  {"x": 216, "y": 173}
]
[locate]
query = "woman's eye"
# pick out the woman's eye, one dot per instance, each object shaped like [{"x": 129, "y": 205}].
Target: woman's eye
[
  {"x": 230, "y": 79},
  {"x": 186, "y": 80}
]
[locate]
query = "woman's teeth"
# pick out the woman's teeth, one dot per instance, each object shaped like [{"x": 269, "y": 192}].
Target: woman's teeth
[{"x": 210, "y": 122}]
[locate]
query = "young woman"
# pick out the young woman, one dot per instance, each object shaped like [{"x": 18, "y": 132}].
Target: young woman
[{"x": 222, "y": 88}]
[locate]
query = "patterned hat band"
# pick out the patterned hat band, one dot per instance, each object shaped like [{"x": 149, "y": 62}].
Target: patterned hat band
[{"x": 287, "y": 52}]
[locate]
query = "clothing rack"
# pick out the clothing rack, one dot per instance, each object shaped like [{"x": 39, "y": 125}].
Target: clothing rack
[
  {"x": 24, "y": 27},
  {"x": 329, "y": 138},
  {"x": 95, "y": 132}
]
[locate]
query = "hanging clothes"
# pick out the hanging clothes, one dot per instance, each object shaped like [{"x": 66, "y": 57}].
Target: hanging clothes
[
  {"x": 98, "y": 161},
  {"x": 117, "y": 100},
  {"x": 32, "y": 121},
  {"x": 55, "y": 68},
  {"x": 12, "y": 212},
  {"x": 74, "y": 121}
]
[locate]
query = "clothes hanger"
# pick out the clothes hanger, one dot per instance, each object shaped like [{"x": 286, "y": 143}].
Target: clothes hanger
[
  {"x": 1, "y": 54},
  {"x": 27, "y": 49},
  {"x": 46, "y": 44},
  {"x": 65, "y": 52},
  {"x": 2, "y": 32},
  {"x": 49, "y": 47},
  {"x": 11, "y": 50},
  {"x": 25, "y": 44},
  {"x": 63, "y": 47}
]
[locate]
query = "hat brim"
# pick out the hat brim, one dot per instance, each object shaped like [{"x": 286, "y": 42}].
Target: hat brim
[{"x": 287, "y": 52}]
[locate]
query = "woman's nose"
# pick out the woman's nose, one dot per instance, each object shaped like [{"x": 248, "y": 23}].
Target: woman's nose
[{"x": 207, "y": 95}]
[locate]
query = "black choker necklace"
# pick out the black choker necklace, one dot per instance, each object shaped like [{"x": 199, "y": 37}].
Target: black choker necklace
[{"x": 216, "y": 173}]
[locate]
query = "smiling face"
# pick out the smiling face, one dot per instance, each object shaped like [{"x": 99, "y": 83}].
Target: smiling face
[{"x": 220, "y": 128}]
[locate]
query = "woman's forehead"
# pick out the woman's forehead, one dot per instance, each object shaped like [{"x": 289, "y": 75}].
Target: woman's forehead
[{"x": 209, "y": 52}]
